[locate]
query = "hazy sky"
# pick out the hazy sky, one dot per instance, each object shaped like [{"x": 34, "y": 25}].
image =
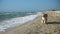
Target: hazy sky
[{"x": 15, "y": 5}]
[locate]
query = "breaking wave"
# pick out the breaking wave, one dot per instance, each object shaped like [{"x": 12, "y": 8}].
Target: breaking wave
[{"x": 17, "y": 21}]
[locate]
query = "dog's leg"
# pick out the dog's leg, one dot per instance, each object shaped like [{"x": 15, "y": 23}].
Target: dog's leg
[
  {"x": 41, "y": 21},
  {"x": 44, "y": 20}
]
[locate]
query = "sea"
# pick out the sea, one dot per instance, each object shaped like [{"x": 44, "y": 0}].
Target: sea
[{"x": 13, "y": 19}]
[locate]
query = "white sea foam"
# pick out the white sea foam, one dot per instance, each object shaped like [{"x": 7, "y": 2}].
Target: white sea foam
[{"x": 16, "y": 21}]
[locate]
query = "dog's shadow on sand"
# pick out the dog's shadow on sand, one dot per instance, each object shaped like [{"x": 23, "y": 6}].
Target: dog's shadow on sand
[{"x": 53, "y": 23}]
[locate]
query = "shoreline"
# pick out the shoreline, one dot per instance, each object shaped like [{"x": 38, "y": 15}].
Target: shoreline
[
  {"x": 29, "y": 22},
  {"x": 8, "y": 29},
  {"x": 36, "y": 27}
]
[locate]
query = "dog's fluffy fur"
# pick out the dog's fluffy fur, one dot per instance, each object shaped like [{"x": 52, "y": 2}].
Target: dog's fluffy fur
[{"x": 42, "y": 20}]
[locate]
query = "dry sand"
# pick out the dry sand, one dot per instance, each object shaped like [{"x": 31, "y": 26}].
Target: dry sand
[{"x": 36, "y": 27}]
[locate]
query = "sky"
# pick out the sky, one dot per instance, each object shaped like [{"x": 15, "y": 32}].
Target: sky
[{"x": 16, "y": 5}]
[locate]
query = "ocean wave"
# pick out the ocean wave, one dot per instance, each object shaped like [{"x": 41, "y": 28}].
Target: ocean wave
[
  {"x": 9, "y": 15},
  {"x": 16, "y": 21}
]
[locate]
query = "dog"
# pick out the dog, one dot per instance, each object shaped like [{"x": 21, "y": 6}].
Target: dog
[{"x": 44, "y": 18}]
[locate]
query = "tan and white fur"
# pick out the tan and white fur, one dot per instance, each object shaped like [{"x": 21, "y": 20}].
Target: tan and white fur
[{"x": 42, "y": 19}]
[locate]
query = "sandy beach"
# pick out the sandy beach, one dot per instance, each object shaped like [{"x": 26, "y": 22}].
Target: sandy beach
[{"x": 35, "y": 27}]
